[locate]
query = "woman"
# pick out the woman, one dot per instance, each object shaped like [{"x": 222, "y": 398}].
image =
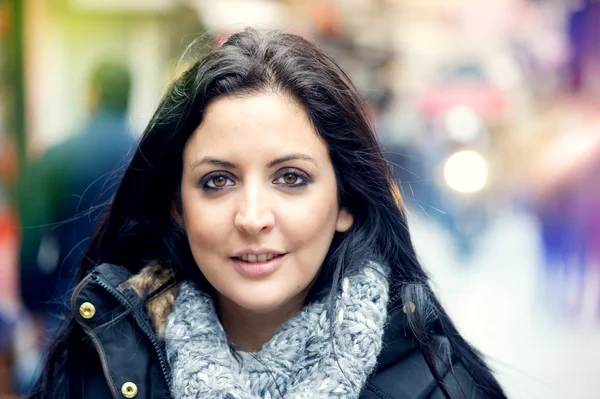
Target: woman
[{"x": 257, "y": 248}]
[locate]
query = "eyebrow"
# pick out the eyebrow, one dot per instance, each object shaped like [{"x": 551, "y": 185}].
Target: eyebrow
[
  {"x": 230, "y": 165},
  {"x": 291, "y": 157},
  {"x": 213, "y": 161}
]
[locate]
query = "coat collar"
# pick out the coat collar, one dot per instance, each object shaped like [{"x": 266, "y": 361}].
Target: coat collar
[{"x": 398, "y": 340}]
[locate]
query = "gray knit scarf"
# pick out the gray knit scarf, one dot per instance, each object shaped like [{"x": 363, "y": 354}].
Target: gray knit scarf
[{"x": 297, "y": 362}]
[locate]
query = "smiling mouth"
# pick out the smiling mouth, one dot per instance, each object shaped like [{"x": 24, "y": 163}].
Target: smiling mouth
[
  {"x": 252, "y": 258},
  {"x": 258, "y": 266}
]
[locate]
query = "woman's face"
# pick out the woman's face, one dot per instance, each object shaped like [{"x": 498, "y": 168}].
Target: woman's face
[{"x": 259, "y": 201}]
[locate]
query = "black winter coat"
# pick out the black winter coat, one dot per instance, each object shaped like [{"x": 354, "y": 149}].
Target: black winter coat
[{"x": 125, "y": 357}]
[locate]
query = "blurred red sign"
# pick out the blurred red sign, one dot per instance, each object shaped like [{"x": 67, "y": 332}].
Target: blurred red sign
[
  {"x": 487, "y": 101},
  {"x": 8, "y": 259}
]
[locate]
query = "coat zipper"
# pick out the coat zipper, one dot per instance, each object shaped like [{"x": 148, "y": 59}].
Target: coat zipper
[
  {"x": 125, "y": 303},
  {"x": 99, "y": 348}
]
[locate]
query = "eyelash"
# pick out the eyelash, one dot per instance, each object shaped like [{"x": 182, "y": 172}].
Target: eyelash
[
  {"x": 203, "y": 183},
  {"x": 296, "y": 172}
]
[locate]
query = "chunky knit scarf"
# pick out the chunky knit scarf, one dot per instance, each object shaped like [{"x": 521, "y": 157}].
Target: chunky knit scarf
[{"x": 297, "y": 362}]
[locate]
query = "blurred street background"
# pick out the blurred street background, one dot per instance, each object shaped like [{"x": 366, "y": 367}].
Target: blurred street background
[{"x": 488, "y": 112}]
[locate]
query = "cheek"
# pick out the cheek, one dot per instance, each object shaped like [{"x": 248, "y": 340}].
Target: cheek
[
  {"x": 204, "y": 224},
  {"x": 310, "y": 221}
]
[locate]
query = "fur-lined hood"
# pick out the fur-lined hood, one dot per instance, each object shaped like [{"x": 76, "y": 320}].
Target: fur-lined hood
[{"x": 145, "y": 283}]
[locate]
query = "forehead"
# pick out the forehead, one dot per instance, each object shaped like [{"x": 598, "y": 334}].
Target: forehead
[{"x": 245, "y": 125}]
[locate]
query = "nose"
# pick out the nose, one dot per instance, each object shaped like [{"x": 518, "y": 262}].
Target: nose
[{"x": 254, "y": 213}]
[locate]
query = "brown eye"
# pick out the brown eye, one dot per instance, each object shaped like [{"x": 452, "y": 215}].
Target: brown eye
[
  {"x": 219, "y": 181},
  {"x": 215, "y": 182},
  {"x": 290, "y": 178}
]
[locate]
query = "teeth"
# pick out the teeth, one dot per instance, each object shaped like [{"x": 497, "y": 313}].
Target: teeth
[{"x": 257, "y": 258}]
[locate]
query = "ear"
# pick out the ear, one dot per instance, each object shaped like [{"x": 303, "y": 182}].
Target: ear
[
  {"x": 344, "y": 221},
  {"x": 176, "y": 214}
]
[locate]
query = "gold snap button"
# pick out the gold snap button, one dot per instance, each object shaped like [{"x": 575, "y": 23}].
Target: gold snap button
[
  {"x": 87, "y": 310},
  {"x": 412, "y": 307},
  {"x": 129, "y": 390}
]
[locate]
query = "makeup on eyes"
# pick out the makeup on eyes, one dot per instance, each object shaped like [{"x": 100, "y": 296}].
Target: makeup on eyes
[{"x": 217, "y": 177}]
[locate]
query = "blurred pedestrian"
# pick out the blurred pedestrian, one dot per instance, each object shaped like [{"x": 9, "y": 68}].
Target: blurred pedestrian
[
  {"x": 591, "y": 209},
  {"x": 257, "y": 248},
  {"x": 563, "y": 239},
  {"x": 62, "y": 194}
]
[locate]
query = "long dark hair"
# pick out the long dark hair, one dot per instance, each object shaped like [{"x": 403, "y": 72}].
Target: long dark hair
[{"x": 139, "y": 226}]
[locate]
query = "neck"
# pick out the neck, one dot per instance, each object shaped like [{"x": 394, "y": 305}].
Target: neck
[{"x": 249, "y": 330}]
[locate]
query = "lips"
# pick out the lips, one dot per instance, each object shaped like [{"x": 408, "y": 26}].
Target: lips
[
  {"x": 257, "y": 258},
  {"x": 254, "y": 255},
  {"x": 254, "y": 266}
]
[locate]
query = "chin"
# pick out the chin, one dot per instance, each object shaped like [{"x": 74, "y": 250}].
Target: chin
[
  {"x": 259, "y": 305},
  {"x": 263, "y": 299}
]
